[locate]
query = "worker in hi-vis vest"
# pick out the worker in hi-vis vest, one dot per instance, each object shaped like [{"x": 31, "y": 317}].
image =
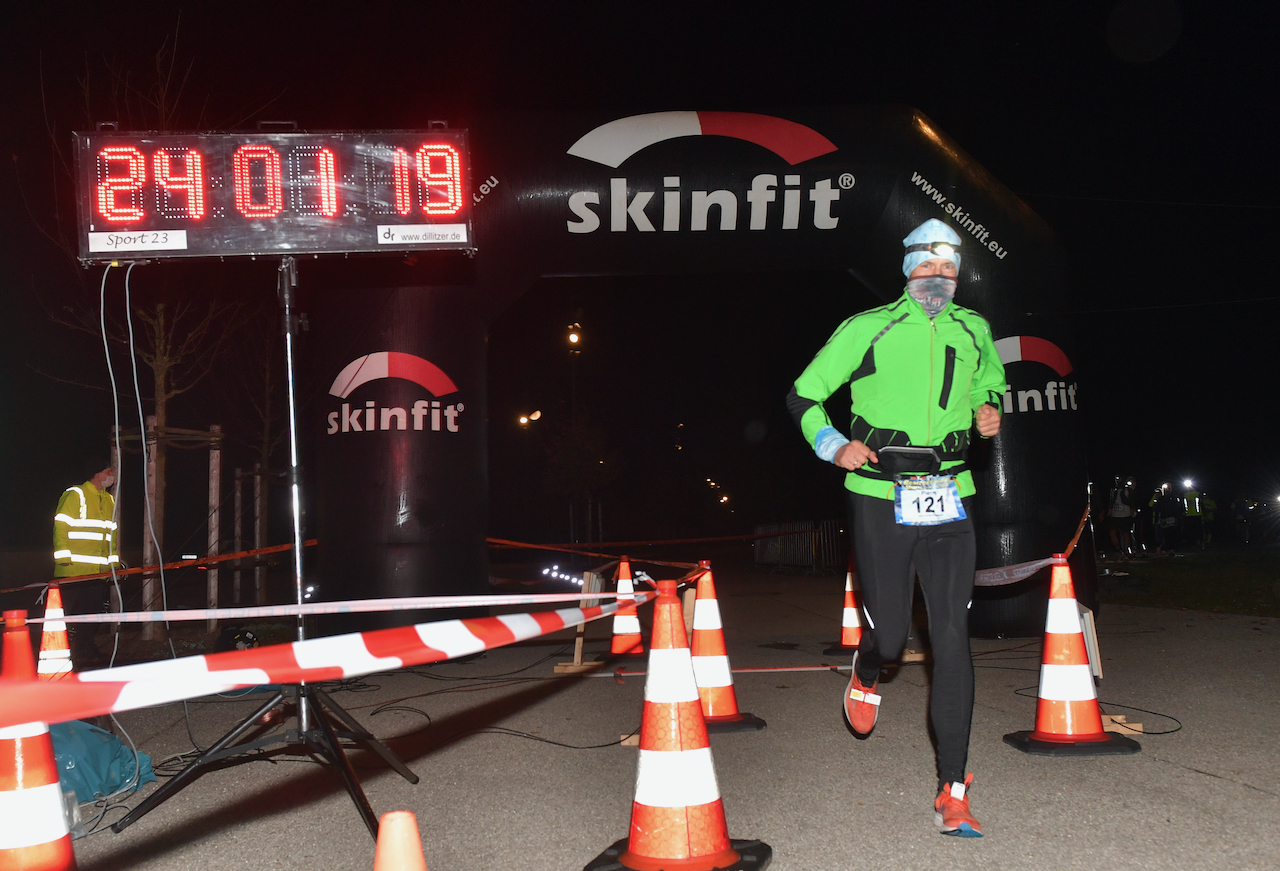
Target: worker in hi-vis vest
[
  {"x": 84, "y": 528},
  {"x": 85, "y": 543}
]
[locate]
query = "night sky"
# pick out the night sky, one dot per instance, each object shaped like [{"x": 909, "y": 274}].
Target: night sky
[{"x": 1142, "y": 132}]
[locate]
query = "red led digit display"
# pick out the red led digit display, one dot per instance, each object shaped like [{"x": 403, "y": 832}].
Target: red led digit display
[
  {"x": 121, "y": 171},
  {"x": 179, "y": 196},
  {"x": 228, "y": 194},
  {"x": 259, "y": 184},
  {"x": 440, "y": 172},
  {"x": 404, "y": 201}
]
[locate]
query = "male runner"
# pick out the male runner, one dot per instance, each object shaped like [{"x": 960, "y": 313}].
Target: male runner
[{"x": 922, "y": 371}]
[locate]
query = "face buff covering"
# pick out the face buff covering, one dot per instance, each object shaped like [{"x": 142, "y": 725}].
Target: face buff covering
[{"x": 932, "y": 292}]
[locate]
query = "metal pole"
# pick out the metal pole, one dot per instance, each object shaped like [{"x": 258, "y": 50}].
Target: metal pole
[
  {"x": 239, "y": 535},
  {"x": 288, "y": 282},
  {"x": 215, "y": 519}
]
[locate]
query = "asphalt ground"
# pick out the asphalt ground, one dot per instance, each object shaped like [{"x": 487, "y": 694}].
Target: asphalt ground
[{"x": 513, "y": 774}]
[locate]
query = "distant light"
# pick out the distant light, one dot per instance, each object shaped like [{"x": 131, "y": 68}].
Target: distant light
[
  {"x": 724, "y": 498},
  {"x": 190, "y": 556},
  {"x": 555, "y": 568},
  {"x": 1186, "y": 483},
  {"x": 546, "y": 571},
  {"x": 523, "y": 420},
  {"x": 537, "y": 415}
]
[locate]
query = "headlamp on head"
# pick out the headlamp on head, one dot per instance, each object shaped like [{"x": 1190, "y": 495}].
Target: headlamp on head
[{"x": 945, "y": 250}]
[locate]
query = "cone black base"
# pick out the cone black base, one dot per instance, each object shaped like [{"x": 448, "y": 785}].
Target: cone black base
[
  {"x": 742, "y": 723},
  {"x": 753, "y": 856},
  {"x": 1115, "y": 745}
]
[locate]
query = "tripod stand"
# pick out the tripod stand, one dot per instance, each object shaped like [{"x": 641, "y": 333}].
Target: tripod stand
[{"x": 310, "y": 704}]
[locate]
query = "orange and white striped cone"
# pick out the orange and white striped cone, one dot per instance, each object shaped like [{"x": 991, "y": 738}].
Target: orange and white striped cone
[
  {"x": 399, "y": 844},
  {"x": 1068, "y": 721},
  {"x": 677, "y": 818},
  {"x": 33, "y": 828},
  {"x": 55, "y": 651},
  {"x": 711, "y": 663},
  {"x": 850, "y": 619},
  {"x": 626, "y": 622}
]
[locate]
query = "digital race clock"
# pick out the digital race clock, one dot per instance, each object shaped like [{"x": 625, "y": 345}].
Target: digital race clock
[{"x": 149, "y": 195}]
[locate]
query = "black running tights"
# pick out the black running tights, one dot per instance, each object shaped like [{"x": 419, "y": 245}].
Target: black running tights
[{"x": 889, "y": 557}]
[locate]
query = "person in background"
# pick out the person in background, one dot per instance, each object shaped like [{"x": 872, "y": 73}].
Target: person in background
[
  {"x": 85, "y": 543},
  {"x": 1120, "y": 517}
]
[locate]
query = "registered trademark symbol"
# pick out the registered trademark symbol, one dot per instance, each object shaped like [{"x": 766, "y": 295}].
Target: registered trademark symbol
[{"x": 846, "y": 180}]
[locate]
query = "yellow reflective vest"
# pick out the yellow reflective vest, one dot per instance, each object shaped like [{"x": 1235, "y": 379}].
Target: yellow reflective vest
[{"x": 84, "y": 532}]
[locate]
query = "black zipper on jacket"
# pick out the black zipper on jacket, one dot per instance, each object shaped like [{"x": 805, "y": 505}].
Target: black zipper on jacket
[{"x": 948, "y": 374}]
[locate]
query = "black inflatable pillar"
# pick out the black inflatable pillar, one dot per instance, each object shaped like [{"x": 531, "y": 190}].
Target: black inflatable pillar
[{"x": 398, "y": 410}]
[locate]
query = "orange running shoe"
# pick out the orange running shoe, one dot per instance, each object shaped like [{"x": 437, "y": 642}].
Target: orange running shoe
[
  {"x": 951, "y": 811},
  {"x": 861, "y": 704}
]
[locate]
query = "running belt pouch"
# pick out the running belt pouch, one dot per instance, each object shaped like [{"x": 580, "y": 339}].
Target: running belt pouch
[{"x": 907, "y": 460}]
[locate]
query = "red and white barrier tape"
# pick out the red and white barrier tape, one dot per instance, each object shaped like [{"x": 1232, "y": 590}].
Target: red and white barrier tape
[
  {"x": 111, "y": 690},
  {"x": 352, "y": 606},
  {"x": 1012, "y": 574}
]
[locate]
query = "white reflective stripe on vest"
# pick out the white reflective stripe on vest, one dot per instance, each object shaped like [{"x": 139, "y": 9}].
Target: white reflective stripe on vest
[
  {"x": 670, "y": 677},
  {"x": 61, "y": 554},
  {"x": 626, "y": 624},
  {"x": 706, "y": 614},
  {"x": 712, "y": 671},
  {"x": 1066, "y": 683},
  {"x": 84, "y": 503},
  {"x": 31, "y": 816},
  {"x": 86, "y": 536},
  {"x": 86, "y": 558},
  {"x": 676, "y": 778},
  {"x": 83, "y": 522},
  {"x": 1063, "y": 617}
]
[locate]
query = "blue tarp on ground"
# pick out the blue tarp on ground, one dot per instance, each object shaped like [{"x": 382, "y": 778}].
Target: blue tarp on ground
[{"x": 95, "y": 763}]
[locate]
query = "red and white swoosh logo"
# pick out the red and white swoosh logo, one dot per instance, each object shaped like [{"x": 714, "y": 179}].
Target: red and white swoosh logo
[
  {"x": 392, "y": 364},
  {"x": 1015, "y": 349},
  {"x": 612, "y": 143}
]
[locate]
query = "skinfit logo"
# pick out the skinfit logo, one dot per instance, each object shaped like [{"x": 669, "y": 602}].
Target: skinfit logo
[
  {"x": 425, "y": 414},
  {"x": 628, "y": 201},
  {"x": 1058, "y": 395}
]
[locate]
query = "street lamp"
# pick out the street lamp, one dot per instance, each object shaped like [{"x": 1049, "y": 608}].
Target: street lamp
[
  {"x": 575, "y": 338},
  {"x": 525, "y": 419}
]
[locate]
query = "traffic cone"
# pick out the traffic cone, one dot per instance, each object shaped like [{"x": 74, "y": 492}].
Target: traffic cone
[
  {"x": 626, "y": 623},
  {"x": 399, "y": 844},
  {"x": 55, "y": 652},
  {"x": 677, "y": 818},
  {"x": 1068, "y": 721},
  {"x": 711, "y": 663},
  {"x": 33, "y": 829},
  {"x": 850, "y": 619}
]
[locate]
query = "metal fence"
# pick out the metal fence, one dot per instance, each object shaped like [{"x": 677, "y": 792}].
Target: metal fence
[{"x": 803, "y": 544}]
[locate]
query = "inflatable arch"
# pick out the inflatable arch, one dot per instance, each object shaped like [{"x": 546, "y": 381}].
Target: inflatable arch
[{"x": 400, "y": 435}]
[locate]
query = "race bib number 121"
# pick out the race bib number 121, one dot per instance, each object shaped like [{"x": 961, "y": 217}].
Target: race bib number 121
[{"x": 927, "y": 501}]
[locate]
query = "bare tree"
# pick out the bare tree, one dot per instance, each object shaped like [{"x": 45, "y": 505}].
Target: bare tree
[{"x": 179, "y": 341}]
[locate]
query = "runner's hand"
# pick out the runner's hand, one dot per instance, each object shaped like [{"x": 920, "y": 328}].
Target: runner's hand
[
  {"x": 988, "y": 421},
  {"x": 854, "y": 456}
]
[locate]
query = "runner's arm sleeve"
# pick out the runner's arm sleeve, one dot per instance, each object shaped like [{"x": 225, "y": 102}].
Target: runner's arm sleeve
[
  {"x": 988, "y": 385},
  {"x": 823, "y": 376}
]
